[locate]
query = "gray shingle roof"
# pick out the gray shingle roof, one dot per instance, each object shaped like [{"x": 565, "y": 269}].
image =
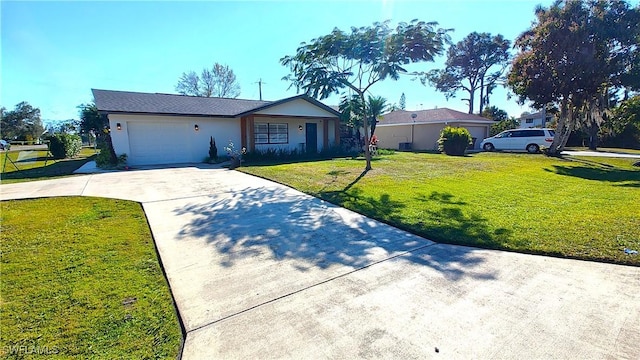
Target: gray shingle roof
[
  {"x": 431, "y": 115},
  {"x": 147, "y": 103},
  {"x": 135, "y": 102}
]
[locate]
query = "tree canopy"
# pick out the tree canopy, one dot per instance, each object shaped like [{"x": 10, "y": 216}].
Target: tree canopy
[
  {"x": 468, "y": 67},
  {"x": 219, "y": 81},
  {"x": 358, "y": 59},
  {"x": 23, "y": 122},
  {"x": 574, "y": 55},
  {"x": 351, "y": 109},
  {"x": 91, "y": 119},
  {"x": 622, "y": 128},
  {"x": 495, "y": 114}
]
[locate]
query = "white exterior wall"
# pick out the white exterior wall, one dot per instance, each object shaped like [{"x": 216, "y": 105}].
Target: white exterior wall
[{"x": 192, "y": 145}]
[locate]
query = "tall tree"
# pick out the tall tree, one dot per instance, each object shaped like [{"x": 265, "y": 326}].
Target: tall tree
[
  {"x": 219, "y": 81},
  {"x": 403, "y": 102},
  {"x": 23, "y": 122},
  {"x": 468, "y": 67},
  {"x": 575, "y": 53},
  {"x": 361, "y": 58}
]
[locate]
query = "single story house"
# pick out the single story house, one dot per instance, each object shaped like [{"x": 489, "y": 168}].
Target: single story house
[
  {"x": 167, "y": 129},
  {"x": 420, "y": 130}
]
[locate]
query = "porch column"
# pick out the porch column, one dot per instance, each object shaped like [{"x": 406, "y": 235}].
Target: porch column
[
  {"x": 243, "y": 132},
  {"x": 252, "y": 138},
  {"x": 336, "y": 128}
]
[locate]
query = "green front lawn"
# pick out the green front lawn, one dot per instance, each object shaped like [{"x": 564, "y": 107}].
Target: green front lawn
[
  {"x": 581, "y": 208},
  {"x": 33, "y": 165},
  {"x": 81, "y": 279}
]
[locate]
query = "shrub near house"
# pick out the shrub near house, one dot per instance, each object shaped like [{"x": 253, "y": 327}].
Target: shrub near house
[
  {"x": 454, "y": 140},
  {"x": 65, "y": 145}
]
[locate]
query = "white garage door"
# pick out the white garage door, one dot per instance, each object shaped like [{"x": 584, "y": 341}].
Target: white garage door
[
  {"x": 158, "y": 143},
  {"x": 478, "y": 132}
]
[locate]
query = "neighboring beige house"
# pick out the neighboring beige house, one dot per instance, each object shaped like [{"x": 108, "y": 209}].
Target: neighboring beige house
[
  {"x": 169, "y": 129},
  {"x": 420, "y": 130}
]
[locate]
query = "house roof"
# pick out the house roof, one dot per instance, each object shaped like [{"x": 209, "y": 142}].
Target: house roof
[
  {"x": 440, "y": 115},
  {"x": 112, "y": 101}
]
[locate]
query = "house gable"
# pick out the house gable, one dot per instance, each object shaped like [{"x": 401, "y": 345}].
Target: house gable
[{"x": 299, "y": 107}]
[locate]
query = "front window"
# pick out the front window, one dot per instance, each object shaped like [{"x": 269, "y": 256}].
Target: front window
[{"x": 269, "y": 133}]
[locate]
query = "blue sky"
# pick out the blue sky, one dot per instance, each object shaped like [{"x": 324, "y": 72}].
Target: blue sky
[{"x": 53, "y": 53}]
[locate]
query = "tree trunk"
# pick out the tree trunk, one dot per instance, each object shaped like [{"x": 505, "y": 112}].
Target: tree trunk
[
  {"x": 593, "y": 136},
  {"x": 481, "y": 95},
  {"x": 374, "y": 122},
  {"x": 367, "y": 154},
  {"x": 558, "y": 142},
  {"x": 471, "y": 93}
]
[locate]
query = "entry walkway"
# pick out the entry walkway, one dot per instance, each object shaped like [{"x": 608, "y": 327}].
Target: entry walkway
[{"x": 260, "y": 270}]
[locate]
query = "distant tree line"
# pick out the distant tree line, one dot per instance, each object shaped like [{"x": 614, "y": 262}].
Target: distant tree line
[
  {"x": 219, "y": 81},
  {"x": 22, "y": 123}
]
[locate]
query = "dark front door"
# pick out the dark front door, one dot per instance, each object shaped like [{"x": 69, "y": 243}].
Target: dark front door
[{"x": 312, "y": 138}]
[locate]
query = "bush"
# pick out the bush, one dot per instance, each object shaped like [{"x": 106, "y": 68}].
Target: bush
[
  {"x": 106, "y": 158},
  {"x": 288, "y": 155},
  {"x": 213, "y": 150},
  {"x": 64, "y": 145},
  {"x": 454, "y": 140}
]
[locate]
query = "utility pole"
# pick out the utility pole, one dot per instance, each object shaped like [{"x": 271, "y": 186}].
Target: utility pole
[{"x": 260, "y": 87}]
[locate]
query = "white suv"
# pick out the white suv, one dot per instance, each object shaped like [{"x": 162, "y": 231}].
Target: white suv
[{"x": 530, "y": 140}]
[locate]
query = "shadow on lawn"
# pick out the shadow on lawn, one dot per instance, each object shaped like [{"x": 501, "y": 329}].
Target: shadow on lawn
[
  {"x": 627, "y": 178},
  {"x": 53, "y": 168},
  {"x": 286, "y": 225},
  {"x": 446, "y": 220}
]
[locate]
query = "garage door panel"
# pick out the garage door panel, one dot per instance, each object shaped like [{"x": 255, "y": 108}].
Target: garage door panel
[
  {"x": 157, "y": 143},
  {"x": 477, "y": 132}
]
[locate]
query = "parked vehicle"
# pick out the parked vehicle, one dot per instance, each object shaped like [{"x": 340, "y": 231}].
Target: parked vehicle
[
  {"x": 4, "y": 145},
  {"x": 531, "y": 140}
]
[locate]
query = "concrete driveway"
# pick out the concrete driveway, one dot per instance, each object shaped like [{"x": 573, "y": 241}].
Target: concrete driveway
[
  {"x": 600, "y": 154},
  {"x": 259, "y": 270}
]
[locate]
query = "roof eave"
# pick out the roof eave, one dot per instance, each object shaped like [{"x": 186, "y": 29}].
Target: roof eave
[
  {"x": 439, "y": 122},
  {"x": 283, "y": 101},
  {"x": 107, "y": 112}
]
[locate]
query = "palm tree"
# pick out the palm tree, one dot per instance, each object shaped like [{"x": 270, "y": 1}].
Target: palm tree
[
  {"x": 351, "y": 108},
  {"x": 377, "y": 105}
]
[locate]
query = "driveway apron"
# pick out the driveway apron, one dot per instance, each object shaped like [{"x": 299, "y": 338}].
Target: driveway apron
[{"x": 260, "y": 270}]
